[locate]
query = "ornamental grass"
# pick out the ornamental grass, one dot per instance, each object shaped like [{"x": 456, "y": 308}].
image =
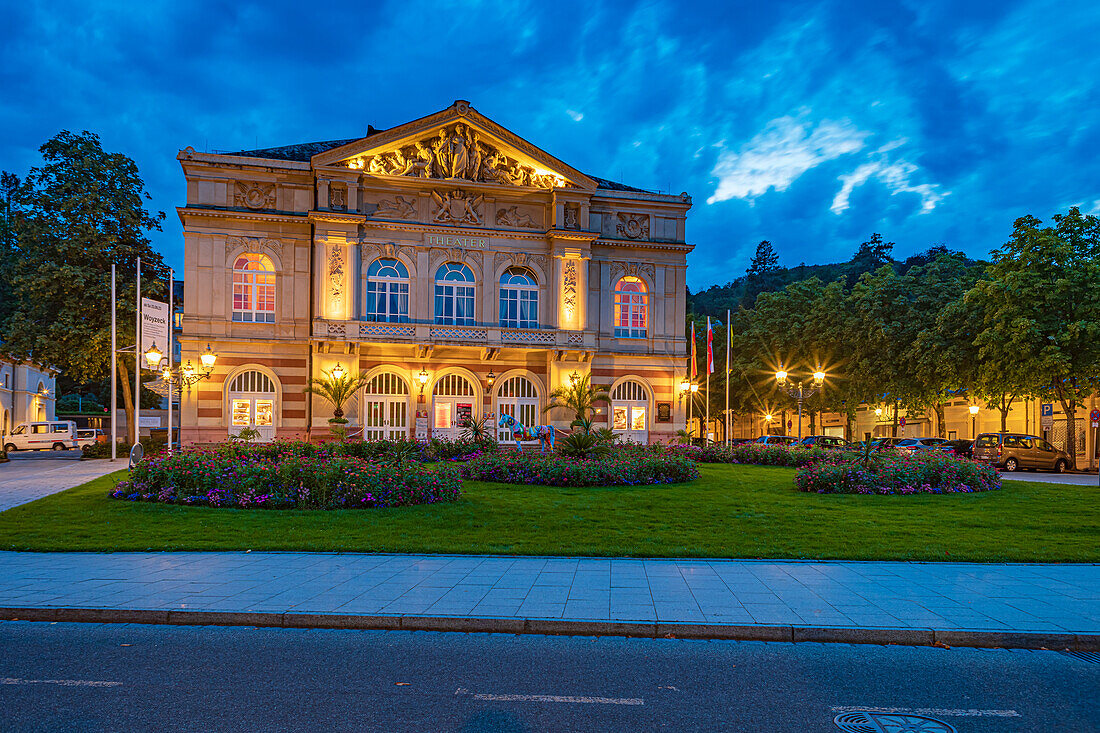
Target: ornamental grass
[
  {"x": 895, "y": 472},
  {"x": 285, "y": 476},
  {"x": 623, "y": 466}
]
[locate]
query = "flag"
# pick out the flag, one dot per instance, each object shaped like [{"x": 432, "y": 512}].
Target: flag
[
  {"x": 694, "y": 359},
  {"x": 710, "y": 347}
]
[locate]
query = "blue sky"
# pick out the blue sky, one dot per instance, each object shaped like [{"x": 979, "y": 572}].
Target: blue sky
[{"x": 811, "y": 124}]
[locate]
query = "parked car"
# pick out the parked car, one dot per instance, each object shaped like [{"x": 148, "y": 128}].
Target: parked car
[
  {"x": 916, "y": 444},
  {"x": 961, "y": 448},
  {"x": 884, "y": 443},
  {"x": 777, "y": 440},
  {"x": 740, "y": 441},
  {"x": 52, "y": 435},
  {"x": 88, "y": 436},
  {"x": 825, "y": 441},
  {"x": 1013, "y": 451}
]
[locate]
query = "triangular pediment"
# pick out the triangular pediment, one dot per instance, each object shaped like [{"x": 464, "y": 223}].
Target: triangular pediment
[{"x": 457, "y": 143}]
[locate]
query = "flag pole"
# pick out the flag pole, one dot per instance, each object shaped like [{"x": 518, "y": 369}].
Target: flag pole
[
  {"x": 710, "y": 367},
  {"x": 114, "y": 372},
  {"x": 727, "y": 377},
  {"x": 137, "y": 357},
  {"x": 171, "y": 278}
]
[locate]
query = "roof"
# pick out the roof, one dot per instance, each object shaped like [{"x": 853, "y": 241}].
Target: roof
[{"x": 304, "y": 151}]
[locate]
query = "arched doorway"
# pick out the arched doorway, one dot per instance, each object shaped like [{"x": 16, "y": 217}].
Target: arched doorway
[
  {"x": 251, "y": 397},
  {"x": 630, "y": 411},
  {"x": 454, "y": 406},
  {"x": 386, "y": 408},
  {"x": 517, "y": 396}
]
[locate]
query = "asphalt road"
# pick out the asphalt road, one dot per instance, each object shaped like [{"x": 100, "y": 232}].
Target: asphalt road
[{"x": 85, "y": 677}]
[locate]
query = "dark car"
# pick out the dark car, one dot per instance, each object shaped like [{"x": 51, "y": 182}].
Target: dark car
[
  {"x": 918, "y": 444},
  {"x": 824, "y": 441},
  {"x": 1013, "y": 451},
  {"x": 961, "y": 448},
  {"x": 776, "y": 440}
]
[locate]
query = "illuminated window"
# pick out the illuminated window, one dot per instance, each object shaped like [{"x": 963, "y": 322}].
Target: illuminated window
[
  {"x": 631, "y": 308},
  {"x": 519, "y": 299},
  {"x": 454, "y": 295},
  {"x": 387, "y": 291},
  {"x": 253, "y": 289}
]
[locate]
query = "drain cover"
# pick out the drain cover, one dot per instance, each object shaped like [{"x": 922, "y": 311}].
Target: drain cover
[{"x": 860, "y": 721}]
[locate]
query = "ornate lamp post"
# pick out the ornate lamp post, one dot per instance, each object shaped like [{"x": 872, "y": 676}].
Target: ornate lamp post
[
  {"x": 973, "y": 422},
  {"x": 182, "y": 376},
  {"x": 423, "y": 379},
  {"x": 337, "y": 372},
  {"x": 798, "y": 391},
  {"x": 768, "y": 424}
]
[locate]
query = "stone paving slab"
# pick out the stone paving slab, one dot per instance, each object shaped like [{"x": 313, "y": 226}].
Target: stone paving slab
[
  {"x": 33, "y": 475},
  {"x": 1008, "y": 598}
]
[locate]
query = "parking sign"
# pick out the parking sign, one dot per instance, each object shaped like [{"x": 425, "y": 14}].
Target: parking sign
[{"x": 1046, "y": 409}]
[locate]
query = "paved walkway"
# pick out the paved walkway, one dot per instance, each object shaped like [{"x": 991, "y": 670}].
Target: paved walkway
[
  {"x": 943, "y": 596},
  {"x": 1073, "y": 479},
  {"x": 30, "y": 476}
]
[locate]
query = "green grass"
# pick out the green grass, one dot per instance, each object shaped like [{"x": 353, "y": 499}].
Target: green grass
[{"x": 730, "y": 511}]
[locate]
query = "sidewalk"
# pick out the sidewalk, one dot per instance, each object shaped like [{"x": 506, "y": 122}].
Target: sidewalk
[
  {"x": 912, "y": 603},
  {"x": 30, "y": 476}
]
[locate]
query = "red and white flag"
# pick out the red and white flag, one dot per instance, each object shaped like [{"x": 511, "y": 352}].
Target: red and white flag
[
  {"x": 694, "y": 357},
  {"x": 710, "y": 347}
]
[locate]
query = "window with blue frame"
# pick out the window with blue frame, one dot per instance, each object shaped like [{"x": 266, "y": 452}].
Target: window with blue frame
[
  {"x": 454, "y": 295},
  {"x": 519, "y": 298},
  {"x": 631, "y": 308},
  {"x": 387, "y": 291}
]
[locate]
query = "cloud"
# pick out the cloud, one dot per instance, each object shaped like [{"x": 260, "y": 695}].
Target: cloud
[
  {"x": 895, "y": 176},
  {"x": 786, "y": 148},
  {"x": 577, "y": 116}
]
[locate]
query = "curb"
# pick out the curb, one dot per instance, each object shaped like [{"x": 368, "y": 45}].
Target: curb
[{"x": 564, "y": 627}]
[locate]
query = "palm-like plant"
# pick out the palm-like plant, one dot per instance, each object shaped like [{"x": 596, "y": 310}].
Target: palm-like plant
[
  {"x": 336, "y": 390},
  {"x": 579, "y": 397}
]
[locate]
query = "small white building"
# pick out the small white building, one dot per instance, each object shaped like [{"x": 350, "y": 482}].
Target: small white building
[{"x": 27, "y": 393}]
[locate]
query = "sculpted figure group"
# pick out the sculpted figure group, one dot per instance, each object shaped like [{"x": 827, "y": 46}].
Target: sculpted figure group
[{"x": 457, "y": 153}]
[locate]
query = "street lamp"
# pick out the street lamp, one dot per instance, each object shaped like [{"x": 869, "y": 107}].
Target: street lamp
[
  {"x": 574, "y": 378},
  {"x": 768, "y": 424},
  {"x": 973, "y": 421},
  {"x": 798, "y": 391},
  {"x": 337, "y": 372},
  {"x": 490, "y": 380},
  {"x": 423, "y": 379},
  {"x": 153, "y": 356},
  {"x": 182, "y": 376}
]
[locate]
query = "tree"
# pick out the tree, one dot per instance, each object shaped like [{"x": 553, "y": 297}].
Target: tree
[
  {"x": 336, "y": 390},
  {"x": 579, "y": 397},
  {"x": 71, "y": 219},
  {"x": 762, "y": 275},
  {"x": 9, "y": 185},
  {"x": 1040, "y": 303},
  {"x": 871, "y": 255},
  {"x": 764, "y": 261}
]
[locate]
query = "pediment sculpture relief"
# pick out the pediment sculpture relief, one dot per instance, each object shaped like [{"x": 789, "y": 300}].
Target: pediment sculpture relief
[
  {"x": 456, "y": 153},
  {"x": 513, "y": 217},
  {"x": 399, "y": 207},
  {"x": 457, "y": 207},
  {"x": 254, "y": 195},
  {"x": 633, "y": 226}
]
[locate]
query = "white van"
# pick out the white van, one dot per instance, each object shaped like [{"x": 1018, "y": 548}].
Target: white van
[{"x": 56, "y": 435}]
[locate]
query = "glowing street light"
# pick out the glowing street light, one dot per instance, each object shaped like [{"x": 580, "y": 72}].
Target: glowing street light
[{"x": 798, "y": 391}]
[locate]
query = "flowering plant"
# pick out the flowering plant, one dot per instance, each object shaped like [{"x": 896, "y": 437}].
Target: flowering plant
[
  {"x": 893, "y": 472},
  {"x": 622, "y": 466},
  {"x": 757, "y": 454}
]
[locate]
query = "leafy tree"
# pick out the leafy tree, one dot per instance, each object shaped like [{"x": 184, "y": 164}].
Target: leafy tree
[
  {"x": 871, "y": 255},
  {"x": 67, "y": 222},
  {"x": 1040, "y": 303}
]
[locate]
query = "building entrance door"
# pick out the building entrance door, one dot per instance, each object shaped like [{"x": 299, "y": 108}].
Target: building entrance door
[
  {"x": 630, "y": 412},
  {"x": 252, "y": 405},
  {"x": 454, "y": 406},
  {"x": 385, "y": 408},
  {"x": 517, "y": 397}
]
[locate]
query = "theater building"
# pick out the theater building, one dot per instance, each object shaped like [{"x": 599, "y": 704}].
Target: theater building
[{"x": 467, "y": 272}]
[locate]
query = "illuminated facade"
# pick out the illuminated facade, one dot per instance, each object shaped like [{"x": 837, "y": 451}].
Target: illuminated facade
[{"x": 467, "y": 272}]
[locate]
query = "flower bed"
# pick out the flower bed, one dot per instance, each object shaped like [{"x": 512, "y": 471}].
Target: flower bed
[
  {"x": 757, "y": 454},
  {"x": 285, "y": 476},
  {"x": 622, "y": 467},
  {"x": 924, "y": 472}
]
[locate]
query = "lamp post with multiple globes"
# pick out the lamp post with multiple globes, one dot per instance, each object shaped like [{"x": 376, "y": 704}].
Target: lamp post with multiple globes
[
  {"x": 181, "y": 376},
  {"x": 799, "y": 392}
]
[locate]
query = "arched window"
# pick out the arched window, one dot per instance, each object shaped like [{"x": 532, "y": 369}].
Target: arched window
[
  {"x": 519, "y": 298},
  {"x": 516, "y": 396},
  {"x": 631, "y": 308},
  {"x": 454, "y": 295},
  {"x": 629, "y": 411},
  {"x": 388, "y": 291},
  {"x": 251, "y": 396},
  {"x": 253, "y": 289}
]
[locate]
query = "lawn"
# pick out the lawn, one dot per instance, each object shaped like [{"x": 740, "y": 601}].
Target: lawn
[{"x": 730, "y": 511}]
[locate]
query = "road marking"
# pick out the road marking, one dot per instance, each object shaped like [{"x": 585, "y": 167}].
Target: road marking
[
  {"x": 931, "y": 712},
  {"x": 63, "y": 683},
  {"x": 582, "y": 699}
]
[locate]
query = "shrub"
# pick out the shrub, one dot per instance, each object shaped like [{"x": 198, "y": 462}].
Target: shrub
[
  {"x": 898, "y": 473},
  {"x": 150, "y": 446},
  {"x": 583, "y": 445},
  {"x": 445, "y": 449},
  {"x": 757, "y": 454},
  {"x": 285, "y": 475},
  {"x": 620, "y": 467}
]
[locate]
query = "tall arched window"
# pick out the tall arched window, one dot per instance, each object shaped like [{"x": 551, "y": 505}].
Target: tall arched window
[
  {"x": 519, "y": 298},
  {"x": 631, "y": 308},
  {"x": 253, "y": 289},
  {"x": 454, "y": 295},
  {"x": 388, "y": 291}
]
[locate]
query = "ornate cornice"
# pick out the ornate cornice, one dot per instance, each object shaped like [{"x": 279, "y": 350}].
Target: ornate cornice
[
  {"x": 336, "y": 217},
  {"x": 216, "y": 213}
]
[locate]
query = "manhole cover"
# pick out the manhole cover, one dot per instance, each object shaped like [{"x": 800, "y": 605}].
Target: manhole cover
[{"x": 859, "y": 721}]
